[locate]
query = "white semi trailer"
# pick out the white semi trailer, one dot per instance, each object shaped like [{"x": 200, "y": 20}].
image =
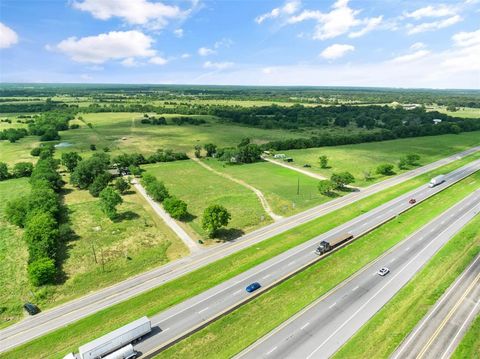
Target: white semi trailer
[
  {"x": 121, "y": 337},
  {"x": 436, "y": 181}
]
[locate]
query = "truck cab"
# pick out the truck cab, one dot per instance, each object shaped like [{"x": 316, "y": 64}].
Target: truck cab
[{"x": 323, "y": 247}]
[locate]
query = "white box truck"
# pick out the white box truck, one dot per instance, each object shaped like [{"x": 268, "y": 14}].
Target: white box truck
[
  {"x": 435, "y": 181},
  {"x": 115, "y": 340}
]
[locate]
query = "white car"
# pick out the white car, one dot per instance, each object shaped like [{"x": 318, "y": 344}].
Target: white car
[{"x": 383, "y": 271}]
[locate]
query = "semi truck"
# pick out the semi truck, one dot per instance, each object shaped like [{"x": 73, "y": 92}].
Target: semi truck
[
  {"x": 435, "y": 181},
  {"x": 113, "y": 341},
  {"x": 328, "y": 244}
]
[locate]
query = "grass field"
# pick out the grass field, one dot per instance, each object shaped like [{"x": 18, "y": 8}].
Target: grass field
[
  {"x": 367, "y": 156},
  {"x": 469, "y": 347},
  {"x": 278, "y": 184},
  {"x": 137, "y": 242},
  {"x": 269, "y": 310},
  {"x": 199, "y": 188},
  {"x": 380, "y": 336},
  {"x": 13, "y": 256},
  {"x": 156, "y": 300},
  {"x": 464, "y": 112}
]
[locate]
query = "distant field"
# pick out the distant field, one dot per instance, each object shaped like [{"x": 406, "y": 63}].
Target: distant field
[
  {"x": 465, "y": 112},
  {"x": 199, "y": 188},
  {"x": 367, "y": 156},
  {"x": 138, "y": 242},
  {"x": 278, "y": 184}
]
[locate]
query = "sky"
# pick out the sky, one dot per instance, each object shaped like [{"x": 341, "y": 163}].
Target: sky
[{"x": 384, "y": 43}]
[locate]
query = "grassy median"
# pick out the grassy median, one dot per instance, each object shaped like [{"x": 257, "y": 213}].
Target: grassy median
[
  {"x": 469, "y": 347},
  {"x": 68, "y": 338},
  {"x": 269, "y": 310},
  {"x": 391, "y": 325}
]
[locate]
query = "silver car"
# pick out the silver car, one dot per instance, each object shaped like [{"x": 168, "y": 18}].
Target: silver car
[{"x": 383, "y": 271}]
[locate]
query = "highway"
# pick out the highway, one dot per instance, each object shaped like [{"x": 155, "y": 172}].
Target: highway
[
  {"x": 443, "y": 327},
  {"x": 49, "y": 320},
  {"x": 323, "y": 327},
  {"x": 181, "y": 320}
]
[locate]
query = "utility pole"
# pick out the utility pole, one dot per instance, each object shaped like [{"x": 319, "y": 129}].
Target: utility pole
[{"x": 298, "y": 186}]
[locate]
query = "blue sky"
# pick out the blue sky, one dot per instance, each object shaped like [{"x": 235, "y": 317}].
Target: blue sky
[{"x": 252, "y": 42}]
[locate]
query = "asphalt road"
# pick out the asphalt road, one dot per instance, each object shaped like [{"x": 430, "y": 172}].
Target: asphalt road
[
  {"x": 323, "y": 327},
  {"x": 40, "y": 324},
  {"x": 438, "y": 334},
  {"x": 184, "y": 318}
]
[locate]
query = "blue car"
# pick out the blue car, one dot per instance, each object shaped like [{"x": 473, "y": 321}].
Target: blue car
[{"x": 253, "y": 287}]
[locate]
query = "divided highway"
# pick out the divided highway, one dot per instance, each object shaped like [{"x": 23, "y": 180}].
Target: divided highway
[
  {"x": 60, "y": 316},
  {"x": 441, "y": 330},
  {"x": 322, "y": 328},
  {"x": 182, "y": 319}
]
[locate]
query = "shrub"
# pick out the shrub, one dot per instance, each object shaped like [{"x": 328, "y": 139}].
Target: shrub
[
  {"x": 42, "y": 271},
  {"x": 175, "y": 207}
]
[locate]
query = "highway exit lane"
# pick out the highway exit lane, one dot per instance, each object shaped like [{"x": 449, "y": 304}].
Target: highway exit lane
[{"x": 322, "y": 328}]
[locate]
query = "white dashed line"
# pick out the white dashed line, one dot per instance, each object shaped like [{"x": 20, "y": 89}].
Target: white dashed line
[
  {"x": 291, "y": 263},
  {"x": 204, "y": 309},
  {"x": 271, "y": 350},
  {"x": 354, "y": 289},
  {"x": 393, "y": 260},
  {"x": 305, "y": 325},
  {"x": 330, "y": 307},
  {"x": 266, "y": 276}
]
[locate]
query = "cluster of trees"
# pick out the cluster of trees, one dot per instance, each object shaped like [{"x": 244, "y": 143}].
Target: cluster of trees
[
  {"x": 179, "y": 121},
  {"x": 337, "y": 181},
  {"x": 20, "y": 169},
  {"x": 125, "y": 160},
  {"x": 245, "y": 152},
  {"x": 13, "y": 134},
  {"x": 154, "y": 120},
  {"x": 159, "y": 192},
  {"x": 88, "y": 173},
  {"x": 48, "y": 124},
  {"x": 46, "y": 106},
  {"x": 39, "y": 214}
]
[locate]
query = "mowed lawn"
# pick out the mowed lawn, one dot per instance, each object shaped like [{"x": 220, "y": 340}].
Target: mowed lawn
[
  {"x": 99, "y": 253},
  {"x": 464, "y": 112},
  {"x": 200, "y": 188},
  {"x": 363, "y": 157},
  {"x": 13, "y": 256},
  {"x": 287, "y": 192}
]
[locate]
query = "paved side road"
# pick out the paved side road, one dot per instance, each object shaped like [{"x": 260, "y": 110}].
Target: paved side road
[
  {"x": 323, "y": 327},
  {"x": 181, "y": 320},
  {"x": 443, "y": 327},
  {"x": 49, "y": 320}
]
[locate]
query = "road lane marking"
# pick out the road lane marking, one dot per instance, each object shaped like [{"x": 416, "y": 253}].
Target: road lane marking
[
  {"x": 330, "y": 307},
  {"x": 271, "y": 350},
  {"x": 393, "y": 260},
  {"x": 354, "y": 289},
  {"x": 201, "y": 311},
  {"x": 305, "y": 325},
  {"x": 291, "y": 263},
  {"x": 266, "y": 276}
]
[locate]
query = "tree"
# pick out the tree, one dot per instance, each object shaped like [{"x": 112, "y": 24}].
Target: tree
[
  {"x": 210, "y": 148},
  {"x": 245, "y": 141},
  {"x": 323, "y": 161},
  {"x": 87, "y": 170},
  {"x": 157, "y": 190},
  {"x": 385, "y": 169},
  {"x": 4, "y": 171},
  {"x": 16, "y": 211},
  {"x": 198, "y": 150},
  {"x": 249, "y": 154},
  {"x": 22, "y": 169},
  {"x": 402, "y": 164},
  {"x": 121, "y": 185},
  {"x": 42, "y": 271},
  {"x": 175, "y": 207},
  {"x": 45, "y": 171},
  {"x": 325, "y": 187},
  {"x": 70, "y": 160},
  {"x": 41, "y": 235},
  {"x": 43, "y": 199},
  {"x": 367, "y": 175},
  {"x": 99, "y": 183},
  {"x": 109, "y": 200},
  {"x": 412, "y": 159},
  {"x": 215, "y": 217},
  {"x": 92, "y": 146},
  {"x": 340, "y": 180},
  {"x": 135, "y": 170}
]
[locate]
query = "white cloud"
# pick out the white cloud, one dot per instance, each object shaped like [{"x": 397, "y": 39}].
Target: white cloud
[
  {"x": 110, "y": 46},
  {"x": 289, "y": 8},
  {"x": 178, "y": 32},
  {"x": 336, "y": 51},
  {"x": 432, "y": 11},
  {"x": 137, "y": 12},
  {"x": 434, "y": 25},
  {"x": 467, "y": 38},
  {"x": 185, "y": 56},
  {"x": 130, "y": 62},
  {"x": 225, "y": 42},
  {"x": 411, "y": 57},
  {"x": 8, "y": 37},
  {"x": 464, "y": 56},
  {"x": 158, "y": 60},
  {"x": 217, "y": 65},
  {"x": 417, "y": 46},
  {"x": 205, "y": 51},
  {"x": 340, "y": 20}
]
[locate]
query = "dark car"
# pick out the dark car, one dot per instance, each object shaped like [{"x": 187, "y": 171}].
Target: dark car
[
  {"x": 253, "y": 287},
  {"x": 32, "y": 309},
  {"x": 412, "y": 201},
  {"x": 306, "y": 165}
]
